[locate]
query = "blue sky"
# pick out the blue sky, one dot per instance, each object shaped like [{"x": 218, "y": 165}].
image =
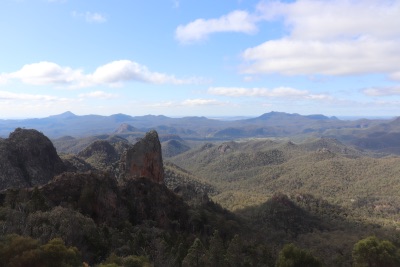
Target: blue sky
[{"x": 199, "y": 58}]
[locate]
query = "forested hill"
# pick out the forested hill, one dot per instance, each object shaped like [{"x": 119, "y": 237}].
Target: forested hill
[{"x": 120, "y": 203}]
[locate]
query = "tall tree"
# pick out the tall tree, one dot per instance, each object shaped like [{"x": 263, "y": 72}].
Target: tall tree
[
  {"x": 196, "y": 255},
  {"x": 372, "y": 252},
  {"x": 292, "y": 256},
  {"x": 234, "y": 255},
  {"x": 216, "y": 251}
]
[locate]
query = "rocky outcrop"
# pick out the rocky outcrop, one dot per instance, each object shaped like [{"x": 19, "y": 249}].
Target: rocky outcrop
[
  {"x": 28, "y": 158},
  {"x": 144, "y": 159}
]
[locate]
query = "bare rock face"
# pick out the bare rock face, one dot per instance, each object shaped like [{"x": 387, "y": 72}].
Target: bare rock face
[
  {"x": 28, "y": 158},
  {"x": 144, "y": 159}
]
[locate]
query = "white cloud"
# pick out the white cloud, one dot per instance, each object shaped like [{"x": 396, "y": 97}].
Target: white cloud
[
  {"x": 333, "y": 19},
  {"x": 257, "y": 92},
  {"x": 126, "y": 70},
  {"x": 46, "y": 73},
  {"x": 333, "y": 37},
  {"x": 382, "y": 91},
  {"x": 236, "y": 21},
  {"x": 92, "y": 17},
  {"x": 99, "y": 95},
  {"x": 342, "y": 57},
  {"x": 395, "y": 75},
  {"x": 3, "y": 79},
  {"x": 200, "y": 102},
  {"x": 111, "y": 74}
]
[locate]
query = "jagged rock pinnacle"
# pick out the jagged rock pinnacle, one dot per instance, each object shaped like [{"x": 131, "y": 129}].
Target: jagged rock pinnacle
[{"x": 144, "y": 159}]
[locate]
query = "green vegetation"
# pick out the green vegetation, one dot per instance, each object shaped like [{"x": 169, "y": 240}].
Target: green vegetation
[
  {"x": 291, "y": 256},
  {"x": 324, "y": 168},
  {"x": 372, "y": 252},
  {"x": 24, "y": 251},
  {"x": 256, "y": 202}
]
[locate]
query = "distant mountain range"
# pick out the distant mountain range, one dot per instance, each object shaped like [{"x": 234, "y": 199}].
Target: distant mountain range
[{"x": 372, "y": 134}]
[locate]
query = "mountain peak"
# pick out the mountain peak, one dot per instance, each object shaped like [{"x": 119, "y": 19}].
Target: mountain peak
[
  {"x": 65, "y": 115},
  {"x": 125, "y": 128}
]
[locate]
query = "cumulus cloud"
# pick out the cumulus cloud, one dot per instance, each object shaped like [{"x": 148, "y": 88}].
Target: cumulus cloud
[
  {"x": 45, "y": 73},
  {"x": 334, "y": 37},
  {"x": 126, "y": 70},
  {"x": 112, "y": 74},
  {"x": 332, "y": 19},
  {"x": 200, "y": 29},
  {"x": 342, "y": 57}
]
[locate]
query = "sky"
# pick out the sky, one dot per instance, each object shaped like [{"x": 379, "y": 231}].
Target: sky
[{"x": 199, "y": 58}]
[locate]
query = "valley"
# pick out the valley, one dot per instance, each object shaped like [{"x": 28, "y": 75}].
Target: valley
[{"x": 319, "y": 183}]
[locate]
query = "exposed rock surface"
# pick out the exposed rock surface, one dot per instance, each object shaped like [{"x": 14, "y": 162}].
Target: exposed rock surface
[
  {"x": 28, "y": 158},
  {"x": 144, "y": 159}
]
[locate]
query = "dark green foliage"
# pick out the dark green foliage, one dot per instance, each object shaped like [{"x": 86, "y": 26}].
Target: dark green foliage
[
  {"x": 196, "y": 256},
  {"x": 19, "y": 251},
  {"x": 37, "y": 201},
  {"x": 129, "y": 261},
  {"x": 234, "y": 252},
  {"x": 216, "y": 251},
  {"x": 291, "y": 256},
  {"x": 372, "y": 252},
  {"x": 70, "y": 225},
  {"x": 281, "y": 214}
]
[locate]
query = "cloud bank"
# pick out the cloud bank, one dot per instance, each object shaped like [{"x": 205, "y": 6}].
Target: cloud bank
[
  {"x": 111, "y": 74},
  {"x": 334, "y": 37}
]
